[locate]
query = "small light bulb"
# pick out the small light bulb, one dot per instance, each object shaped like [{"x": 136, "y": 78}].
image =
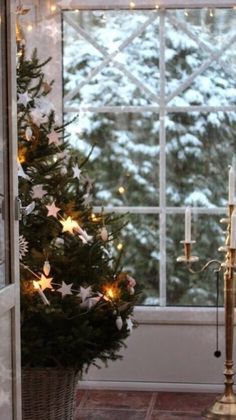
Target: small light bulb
[
  {"x": 121, "y": 190},
  {"x": 93, "y": 216},
  {"x": 157, "y": 6},
  {"x": 29, "y": 28},
  {"x": 211, "y": 13},
  {"x": 186, "y": 12},
  {"x": 132, "y": 5},
  {"x": 53, "y": 8},
  {"x": 119, "y": 246},
  {"x": 76, "y": 10}
]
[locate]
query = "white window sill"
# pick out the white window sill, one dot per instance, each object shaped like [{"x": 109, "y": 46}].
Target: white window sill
[{"x": 178, "y": 315}]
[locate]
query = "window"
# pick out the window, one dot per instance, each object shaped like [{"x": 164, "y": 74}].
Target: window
[{"x": 155, "y": 92}]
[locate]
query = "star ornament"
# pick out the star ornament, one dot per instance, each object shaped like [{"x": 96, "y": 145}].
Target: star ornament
[
  {"x": 69, "y": 225},
  {"x": 65, "y": 289},
  {"x": 45, "y": 282},
  {"x": 76, "y": 171},
  {"x": 24, "y": 98},
  {"x": 38, "y": 191},
  {"x": 53, "y": 138},
  {"x": 52, "y": 210},
  {"x": 85, "y": 292}
]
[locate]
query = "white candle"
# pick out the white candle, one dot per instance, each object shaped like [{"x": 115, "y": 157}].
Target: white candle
[
  {"x": 231, "y": 185},
  {"x": 233, "y": 231},
  {"x": 40, "y": 292},
  {"x": 188, "y": 225}
]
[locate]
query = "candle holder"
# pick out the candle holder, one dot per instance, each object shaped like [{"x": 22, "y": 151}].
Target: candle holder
[{"x": 224, "y": 408}]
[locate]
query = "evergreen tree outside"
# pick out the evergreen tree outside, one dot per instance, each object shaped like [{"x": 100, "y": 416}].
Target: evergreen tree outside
[
  {"x": 76, "y": 303},
  {"x": 199, "y": 144}
]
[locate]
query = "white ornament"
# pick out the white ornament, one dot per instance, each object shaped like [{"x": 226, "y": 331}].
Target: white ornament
[
  {"x": 131, "y": 290},
  {"x": 85, "y": 292},
  {"x": 53, "y": 138},
  {"x": 53, "y": 210},
  {"x": 21, "y": 172},
  {"x": 63, "y": 170},
  {"x": 129, "y": 324},
  {"x": 104, "y": 234},
  {"x": 28, "y": 134},
  {"x": 38, "y": 191},
  {"x": 23, "y": 246},
  {"x": 28, "y": 209},
  {"x": 46, "y": 268},
  {"x": 76, "y": 171},
  {"x": 119, "y": 322},
  {"x": 45, "y": 282},
  {"x": 65, "y": 289},
  {"x": 24, "y": 98},
  {"x": 85, "y": 238}
]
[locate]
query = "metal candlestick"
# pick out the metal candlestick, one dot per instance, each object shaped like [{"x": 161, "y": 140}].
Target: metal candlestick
[{"x": 224, "y": 408}]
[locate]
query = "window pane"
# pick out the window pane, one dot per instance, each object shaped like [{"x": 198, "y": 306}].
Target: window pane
[
  {"x": 111, "y": 57},
  {"x": 124, "y": 163},
  {"x": 200, "y": 146},
  {"x": 141, "y": 254},
  {"x": 6, "y": 367},
  {"x": 184, "y": 288}
]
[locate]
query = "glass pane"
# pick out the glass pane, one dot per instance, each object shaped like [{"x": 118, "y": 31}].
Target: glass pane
[
  {"x": 6, "y": 367},
  {"x": 111, "y": 57},
  {"x": 191, "y": 39},
  {"x": 124, "y": 163},
  {"x": 140, "y": 243},
  {"x": 200, "y": 147},
  {"x": 184, "y": 288}
]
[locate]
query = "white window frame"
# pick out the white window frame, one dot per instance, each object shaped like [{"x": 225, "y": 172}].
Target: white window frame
[{"x": 155, "y": 314}]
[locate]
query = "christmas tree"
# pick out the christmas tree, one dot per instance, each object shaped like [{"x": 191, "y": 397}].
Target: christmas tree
[{"x": 76, "y": 304}]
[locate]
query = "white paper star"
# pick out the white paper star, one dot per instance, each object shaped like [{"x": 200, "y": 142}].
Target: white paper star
[
  {"x": 45, "y": 282},
  {"x": 69, "y": 225},
  {"x": 87, "y": 199},
  {"x": 38, "y": 117},
  {"x": 53, "y": 138},
  {"x": 52, "y": 209},
  {"x": 38, "y": 191},
  {"x": 24, "y": 98},
  {"x": 85, "y": 292},
  {"x": 65, "y": 289},
  {"x": 85, "y": 238},
  {"x": 76, "y": 171},
  {"x": 90, "y": 302}
]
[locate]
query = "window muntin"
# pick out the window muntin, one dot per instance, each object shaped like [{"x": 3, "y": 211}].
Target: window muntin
[{"x": 178, "y": 100}]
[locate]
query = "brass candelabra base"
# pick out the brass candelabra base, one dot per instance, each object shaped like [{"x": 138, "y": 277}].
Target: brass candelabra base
[{"x": 224, "y": 408}]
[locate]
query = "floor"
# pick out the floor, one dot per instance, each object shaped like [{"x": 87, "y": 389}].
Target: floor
[{"x": 131, "y": 405}]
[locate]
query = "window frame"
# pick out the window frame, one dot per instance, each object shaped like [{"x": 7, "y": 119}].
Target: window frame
[{"x": 162, "y": 210}]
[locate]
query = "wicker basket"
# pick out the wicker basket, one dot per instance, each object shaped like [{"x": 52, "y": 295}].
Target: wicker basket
[{"x": 48, "y": 393}]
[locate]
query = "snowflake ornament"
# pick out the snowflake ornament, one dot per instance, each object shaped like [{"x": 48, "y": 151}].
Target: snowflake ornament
[{"x": 23, "y": 247}]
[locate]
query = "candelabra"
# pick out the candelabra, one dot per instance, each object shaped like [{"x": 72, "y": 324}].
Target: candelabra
[{"x": 225, "y": 406}]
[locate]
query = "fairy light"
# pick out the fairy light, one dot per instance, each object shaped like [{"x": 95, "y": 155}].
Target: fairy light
[
  {"x": 40, "y": 292},
  {"x": 53, "y": 8},
  {"x": 211, "y": 12},
  {"x": 132, "y": 5},
  {"x": 77, "y": 10},
  {"x": 29, "y": 27},
  {"x": 121, "y": 190},
  {"x": 157, "y": 6},
  {"x": 186, "y": 12},
  {"x": 119, "y": 246}
]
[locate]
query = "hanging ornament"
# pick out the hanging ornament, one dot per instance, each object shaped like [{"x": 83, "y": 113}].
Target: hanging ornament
[
  {"x": 129, "y": 324},
  {"x": 24, "y": 98},
  {"x": 69, "y": 225},
  {"x": 25, "y": 211},
  {"x": 53, "y": 138},
  {"x": 65, "y": 289},
  {"x": 119, "y": 322},
  {"x": 21, "y": 172},
  {"x": 63, "y": 170},
  {"x": 45, "y": 282},
  {"x": 28, "y": 134},
  {"x": 46, "y": 268},
  {"x": 46, "y": 87},
  {"x": 104, "y": 234},
  {"x": 52, "y": 210},
  {"x": 38, "y": 191},
  {"x": 23, "y": 247},
  {"x": 76, "y": 171}
]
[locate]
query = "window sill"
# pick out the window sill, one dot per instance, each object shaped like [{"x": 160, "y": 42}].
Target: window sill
[{"x": 178, "y": 315}]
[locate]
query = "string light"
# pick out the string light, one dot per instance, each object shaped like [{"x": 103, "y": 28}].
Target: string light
[
  {"x": 157, "y": 6},
  {"x": 29, "y": 27},
  {"x": 211, "y": 13},
  {"x": 53, "y": 8},
  {"x": 186, "y": 12},
  {"x": 77, "y": 11},
  {"x": 121, "y": 190},
  {"x": 132, "y": 5},
  {"x": 119, "y": 246}
]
